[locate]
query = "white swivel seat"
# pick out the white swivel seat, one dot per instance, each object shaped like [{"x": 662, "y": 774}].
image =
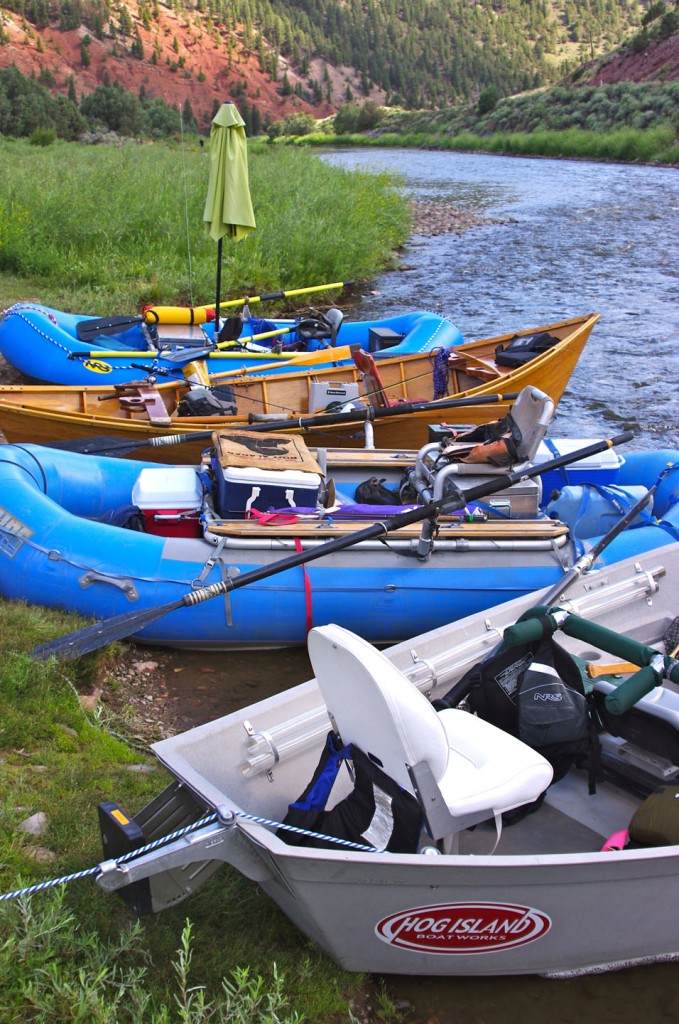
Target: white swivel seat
[{"x": 461, "y": 769}]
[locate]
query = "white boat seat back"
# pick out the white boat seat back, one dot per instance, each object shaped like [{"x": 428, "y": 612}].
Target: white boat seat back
[
  {"x": 532, "y": 413},
  {"x": 478, "y": 771},
  {"x": 373, "y": 705}
]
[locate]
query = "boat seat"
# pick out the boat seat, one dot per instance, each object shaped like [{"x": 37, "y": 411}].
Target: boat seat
[
  {"x": 462, "y": 769},
  {"x": 528, "y": 419}
]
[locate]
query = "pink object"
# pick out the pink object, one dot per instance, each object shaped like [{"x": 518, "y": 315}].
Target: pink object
[{"x": 617, "y": 841}]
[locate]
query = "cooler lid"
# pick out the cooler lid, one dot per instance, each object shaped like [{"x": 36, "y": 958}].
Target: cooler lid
[
  {"x": 250, "y": 475},
  {"x": 168, "y": 487},
  {"x": 554, "y": 446}
]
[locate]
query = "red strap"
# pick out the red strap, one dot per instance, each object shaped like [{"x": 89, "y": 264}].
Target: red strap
[
  {"x": 267, "y": 518},
  {"x": 307, "y": 589}
]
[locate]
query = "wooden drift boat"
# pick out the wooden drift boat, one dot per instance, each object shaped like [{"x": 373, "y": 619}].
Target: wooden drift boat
[
  {"x": 395, "y": 404},
  {"x": 557, "y": 893}
]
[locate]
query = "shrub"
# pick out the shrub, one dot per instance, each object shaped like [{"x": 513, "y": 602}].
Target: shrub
[
  {"x": 488, "y": 100},
  {"x": 346, "y": 119},
  {"x": 43, "y": 137}
]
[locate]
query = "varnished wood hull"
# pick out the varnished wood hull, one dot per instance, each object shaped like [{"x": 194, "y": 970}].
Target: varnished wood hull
[{"x": 44, "y": 414}]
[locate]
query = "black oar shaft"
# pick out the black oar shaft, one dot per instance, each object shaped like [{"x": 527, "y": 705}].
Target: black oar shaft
[
  {"x": 586, "y": 561},
  {"x": 109, "y": 445},
  {"x": 368, "y": 413}
]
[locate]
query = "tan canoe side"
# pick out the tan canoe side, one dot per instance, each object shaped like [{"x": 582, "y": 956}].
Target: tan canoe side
[{"x": 40, "y": 413}]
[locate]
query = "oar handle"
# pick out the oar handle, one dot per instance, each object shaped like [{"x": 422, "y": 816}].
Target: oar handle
[{"x": 269, "y": 296}]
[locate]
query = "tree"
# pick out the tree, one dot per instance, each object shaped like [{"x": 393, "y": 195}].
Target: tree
[{"x": 488, "y": 100}]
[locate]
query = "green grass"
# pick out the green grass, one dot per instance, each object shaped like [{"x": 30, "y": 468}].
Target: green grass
[
  {"x": 106, "y": 229},
  {"x": 653, "y": 145},
  {"x": 77, "y": 954}
]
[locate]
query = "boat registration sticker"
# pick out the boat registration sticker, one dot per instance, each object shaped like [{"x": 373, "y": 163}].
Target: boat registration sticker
[
  {"x": 463, "y": 927},
  {"x": 13, "y": 533},
  {"x": 97, "y": 366}
]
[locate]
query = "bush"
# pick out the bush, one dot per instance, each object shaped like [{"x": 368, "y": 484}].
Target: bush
[
  {"x": 293, "y": 124},
  {"x": 43, "y": 137},
  {"x": 370, "y": 115},
  {"x": 488, "y": 100},
  {"x": 346, "y": 119}
]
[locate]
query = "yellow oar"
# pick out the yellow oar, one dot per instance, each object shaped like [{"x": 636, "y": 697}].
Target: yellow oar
[
  {"x": 269, "y": 296},
  {"x": 297, "y": 360},
  {"x": 105, "y": 354}
]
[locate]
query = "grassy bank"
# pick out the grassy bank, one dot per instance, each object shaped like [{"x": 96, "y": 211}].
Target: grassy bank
[
  {"x": 77, "y": 954},
  {"x": 623, "y": 122},
  {"x": 105, "y": 229},
  {"x": 656, "y": 145}
]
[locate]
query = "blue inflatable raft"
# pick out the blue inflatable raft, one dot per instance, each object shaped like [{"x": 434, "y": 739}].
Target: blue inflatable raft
[
  {"x": 59, "y": 546},
  {"x": 65, "y": 348}
]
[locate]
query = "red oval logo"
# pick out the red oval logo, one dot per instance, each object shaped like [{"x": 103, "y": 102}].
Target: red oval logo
[{"x": 463, "y": 927}]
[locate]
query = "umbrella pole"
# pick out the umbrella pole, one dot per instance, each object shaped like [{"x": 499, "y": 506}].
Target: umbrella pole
[{"x": 219, "y": 287}]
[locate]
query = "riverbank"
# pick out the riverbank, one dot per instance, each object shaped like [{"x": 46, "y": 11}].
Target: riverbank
[{"x": 109, "y": 709}]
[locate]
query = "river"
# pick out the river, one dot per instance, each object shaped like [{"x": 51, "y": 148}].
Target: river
[{"x": 573, "y": 237}]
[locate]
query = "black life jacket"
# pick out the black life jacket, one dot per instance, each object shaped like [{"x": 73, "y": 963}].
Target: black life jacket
[{"x": 376, "y": 813}]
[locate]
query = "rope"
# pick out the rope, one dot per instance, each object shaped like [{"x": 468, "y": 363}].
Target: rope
[{"x": 209, "y": 819}]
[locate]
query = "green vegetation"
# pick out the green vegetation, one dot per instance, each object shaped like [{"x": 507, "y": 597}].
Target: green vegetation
[
  {"x": 420, "y": 54},
  {"x": 98, "y": 230},
  {"x": 609, "y": 122},
  {"x": 588, "y": 108},
  {"x": 75, "y": 953}
]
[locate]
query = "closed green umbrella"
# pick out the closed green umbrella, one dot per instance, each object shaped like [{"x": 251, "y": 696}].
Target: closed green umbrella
[{"x": 228, "y": 207}]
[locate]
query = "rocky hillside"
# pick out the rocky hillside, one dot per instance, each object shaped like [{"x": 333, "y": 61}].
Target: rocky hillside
[
  {"x": 182, "y": 61},
  {"x": 180, "y": 52},
  {"x": 657, "y": 62}
]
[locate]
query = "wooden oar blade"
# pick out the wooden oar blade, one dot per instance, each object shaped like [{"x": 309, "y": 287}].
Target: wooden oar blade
[
  {"x": 89, "y": 329},
  {"x": 99, "y": 634}
]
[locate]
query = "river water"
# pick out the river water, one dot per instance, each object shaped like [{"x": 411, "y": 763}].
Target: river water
[
  {"x": 575, "y": 237},
  {"x": 572, "y": 238}
]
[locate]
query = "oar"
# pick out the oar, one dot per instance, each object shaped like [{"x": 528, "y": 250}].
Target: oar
[
  {"x": 120, "y": 446},
  {"x": 120, "y": 626},
  {"x": 91, "y": 328},
  {"x": 88, "y": 329},
  {"x": 196, "y": 353},
  {"x": 269, "y": 296},
  {"x": 587, "y": 560}
]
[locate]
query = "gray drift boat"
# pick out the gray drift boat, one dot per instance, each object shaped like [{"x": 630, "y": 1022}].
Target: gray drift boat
[{"x": 435, "y": 867}]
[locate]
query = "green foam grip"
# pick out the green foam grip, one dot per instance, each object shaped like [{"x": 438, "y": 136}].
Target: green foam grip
[
  {"x": 633, "y": 689},
  {"x": 621, "y": 646}
]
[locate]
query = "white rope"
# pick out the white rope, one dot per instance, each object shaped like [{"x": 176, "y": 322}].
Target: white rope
[{"x": 209, "y": 819}]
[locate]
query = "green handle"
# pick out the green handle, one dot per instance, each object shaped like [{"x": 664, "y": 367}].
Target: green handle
[
  {"x": 633, "y": 689},
  {"x": 527, "y": 631},
  {"x": 622, "y": 647}
]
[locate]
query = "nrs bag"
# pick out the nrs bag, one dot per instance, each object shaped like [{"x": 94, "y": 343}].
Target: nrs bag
[{"x": 535, "y": 692}]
